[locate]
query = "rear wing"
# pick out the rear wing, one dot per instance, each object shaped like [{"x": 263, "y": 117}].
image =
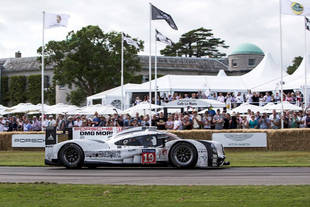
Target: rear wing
[{"x": 50, "y": 136}]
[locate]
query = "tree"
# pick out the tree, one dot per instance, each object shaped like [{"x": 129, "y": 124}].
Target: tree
[
  {"x": 296, "y": 62},
  {"x": 196, "y": 43},
  {"x": 90, "y": 60}
]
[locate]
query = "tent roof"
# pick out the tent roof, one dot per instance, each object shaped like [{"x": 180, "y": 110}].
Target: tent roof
[
  {"x": 265, "y": 72},
  {"x": 113, "y": 91},
  {"x": 193, "y": 83},
  {"x": 221, "y": 73}
]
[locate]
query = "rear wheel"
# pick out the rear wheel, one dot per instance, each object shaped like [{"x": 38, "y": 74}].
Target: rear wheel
[
  {"x": 71, "y": 156},
  {"x": 183, "y": 155}
]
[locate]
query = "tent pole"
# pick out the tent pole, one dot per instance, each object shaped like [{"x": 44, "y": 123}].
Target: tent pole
[
  {"x": 122, "y": 72},
  {"x": 150, "y": 66},
  {"x": 281, "y": 63},
  {"x": 42, "y": 74},
  {"x": 155, "y": 73},
  {"x": 305, "y": 59}
]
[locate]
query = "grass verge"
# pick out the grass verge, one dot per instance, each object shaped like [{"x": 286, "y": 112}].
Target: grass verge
[
  {"x": 237, "y": 159},
  {"x": 105, "y": 195}
]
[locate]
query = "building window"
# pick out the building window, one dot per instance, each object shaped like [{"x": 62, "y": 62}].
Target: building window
[
  {"x": 251, "y": 62},
  {"x": 234, "y": 63},
  {"x": 145, "y": 78},
  {"x": 97, "y": 101}
]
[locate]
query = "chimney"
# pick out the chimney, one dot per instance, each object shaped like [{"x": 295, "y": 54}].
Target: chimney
[{"x": 18, "y": 54}]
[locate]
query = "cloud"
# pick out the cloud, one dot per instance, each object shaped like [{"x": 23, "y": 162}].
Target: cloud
[{"x": 236, "y": 22}]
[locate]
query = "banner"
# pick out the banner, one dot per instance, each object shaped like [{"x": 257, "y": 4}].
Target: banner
[
  {"x": 241, "y": 139},
  {"x": 101, "y": 133},
  {"x": 28, "y": 140}
]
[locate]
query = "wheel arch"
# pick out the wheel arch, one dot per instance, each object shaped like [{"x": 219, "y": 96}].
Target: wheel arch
[
  {"x": 178, "y": 142},
  {"x": 71, "y": 143}
]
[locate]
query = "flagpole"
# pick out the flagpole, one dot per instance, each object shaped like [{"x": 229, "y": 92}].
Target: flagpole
[
  {"x": 281, "y": 64},
  {"x": 155, "y": 72},
  {"x": 305, "y": 59},
  {"x": 42, "y": 73},
  {"x": 122, "y": 72},
  {"x": 150, "y": 66}
]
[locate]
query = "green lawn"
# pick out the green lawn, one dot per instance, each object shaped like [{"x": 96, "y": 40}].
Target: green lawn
[
  {"x": 269, "y": 159},
  {"x": 237, "y": 159},
  {"x": 16, "y": 195}
]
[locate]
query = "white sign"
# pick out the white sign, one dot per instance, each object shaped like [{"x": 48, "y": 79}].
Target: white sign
[
  {"x": 194, "y": 103},
  {"x": 101, "y": 133},
  {"x": 241, "y": 139},
  {"x": 28, "y": 140}
]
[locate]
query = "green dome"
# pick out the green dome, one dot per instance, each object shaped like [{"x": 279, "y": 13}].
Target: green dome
[{"x": 246, "y": 49}]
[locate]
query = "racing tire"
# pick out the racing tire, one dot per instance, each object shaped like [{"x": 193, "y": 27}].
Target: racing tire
[
  {"x": 71, "y": 156},
  {"x": 183, "y": 155}
]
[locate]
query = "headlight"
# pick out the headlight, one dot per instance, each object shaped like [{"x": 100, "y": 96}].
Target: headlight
[{"x": 213, "y": 148}]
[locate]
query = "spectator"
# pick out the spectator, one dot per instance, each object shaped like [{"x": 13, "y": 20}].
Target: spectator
[
  {"x": 264, "y": 122},
  {"x": 307, "y": 121},
  {"x": 207, "y": 120},
  {"x": 78, "y": 122},
  {"x": 187, "y": 123},
  {"x": 1, "y": 124},
  {"x": 177, "y": 124},
  {"x": 227, "y": 121},
  {"x": 196, "y": 118},
  {"x": 51, "y": 121},
  {"x": 234, "y": 122},
  {"x": 253, "y": 123},
  {"x": 161, "y": 121},
  {"x": 275, "y": 121},
  {"x": 218, "y": 120},
  {"x": 96, "y": 120},
  {"x": 170, "y": 123},
  {"x": 36, "y": 124},
  {"x": 27, "y": 125},
  {"x": 239, "y": 99},
  {"x": 221, "y": 98}
]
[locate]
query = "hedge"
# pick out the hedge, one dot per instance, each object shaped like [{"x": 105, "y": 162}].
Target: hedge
[{"x": 17, "y": 88}]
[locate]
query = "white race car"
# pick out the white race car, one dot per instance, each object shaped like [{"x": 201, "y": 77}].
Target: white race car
[{"x": 136, "y": 146}]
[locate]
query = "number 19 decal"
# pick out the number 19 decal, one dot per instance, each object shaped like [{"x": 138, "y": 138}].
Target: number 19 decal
[{"x": 148, "y": 156}]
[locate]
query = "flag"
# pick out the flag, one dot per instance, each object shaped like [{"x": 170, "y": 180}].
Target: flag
[
  {"x": 159, "y": 14},
  {"x": 295, "y": 8},
  {"x": 161, "y": 38},
  {"x": 56, "y": 20},
  {"x": 131, "y": 41},
  {"x": 307, "y": 23}
]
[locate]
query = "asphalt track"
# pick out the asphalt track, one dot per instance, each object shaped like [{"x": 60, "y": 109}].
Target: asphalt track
[{"x": 159, "y": 176}]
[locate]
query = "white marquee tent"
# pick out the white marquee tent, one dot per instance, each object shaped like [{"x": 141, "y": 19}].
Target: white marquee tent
[
  {"x": 265, "y": 72},
  {"x": 101, "y": 109},
  {"x": 243, "y": 108},
  {"x": 142, "y": 108},
  {"x": 109, "y": 96},
  {"x": 265, "y": 77},
  {"x": 221, "y": 73}
]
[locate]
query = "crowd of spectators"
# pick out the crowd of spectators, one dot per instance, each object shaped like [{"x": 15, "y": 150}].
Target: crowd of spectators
[
  {"x": 178, "y": 121},
  {"x": 211, "y": 119},
  {"x": 231, "y": 100}
]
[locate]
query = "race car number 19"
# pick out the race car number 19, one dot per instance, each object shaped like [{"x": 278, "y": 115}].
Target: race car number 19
[{"x": 148, "y": 156}]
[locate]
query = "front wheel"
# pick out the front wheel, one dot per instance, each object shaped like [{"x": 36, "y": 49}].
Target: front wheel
[
  {"x": 183, "y": 155},
  {"x": 71, "y": 156}
]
